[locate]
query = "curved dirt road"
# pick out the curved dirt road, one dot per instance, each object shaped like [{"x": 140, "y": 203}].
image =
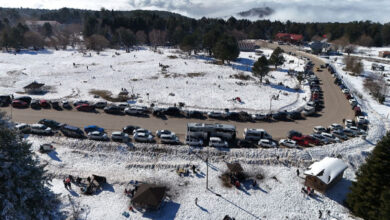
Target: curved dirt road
[{"x": 336, "y": 108}]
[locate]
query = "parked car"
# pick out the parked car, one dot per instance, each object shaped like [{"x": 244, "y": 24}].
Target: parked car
[
  {"x": 100, "y": 104},
  {"x": 308, "y": 110},
  {"x": 267, "y": 143},
  {"x": 66, "y": 105},
  {"x": 293, "y": 133},
  {"x": 251, "y": 134},
  {"x": 288, "y": 143},
  {"x": 194, "y": 114},
  {"x": 44, "y": 103},
  {"x": 319, "y": 129},
  {"x": 159, "y": 112},
  {"x": 71, "y": 131},
  {"x": 135, "y": 111},
  {"x": 40, "y": 129},
  {"x": 217, "y": 142},
  {"x": 295, "y": 115},
  {"x": 79, "y": 102},
  {"x": 26, "y": 99},
  {"x": 113, "y": 109},
  {"x": 351, "y": 133},
  {"x": 169, "y": 139},
  {"x": 45, "y": 148},
  {"x": 173, "y": 111},
  {"x": 50, "y": 123},
  {"x": 19, "y": 104},
  {"x": 348, "y": 123},
  {"x": 335, "y": 126},
  {"x": 85, "y": 108},
  {"x": 345, "y": 91},
  {"x": 143, "y": 136},
  {"x": 361, "y": 120},
  {"x": 281, "y": 116},
  {"x": 301, "y": 141},
  {"x": 5, "y": 100},
  {"x": 340, "y": 134},
  {"x": 35, "y": 104},
  {"x": 320, "y": 138},
  {"x": 245, "y": 144},
  {"x": 123, "y": 106},
  {"x": 357, "y": 130},
  {"x": 194, "y": 141},
  {"x": 23, "y": 128},
  {"x": 120, "y": 136},
  {"x": 161, "y": 132},
  {"x": 129, "y": 129},
  {"x": 55, "y": 105},
  {"x": 98, "y": 136},
  {"x": 311, "y": 140},
  {"x": 331, "y": 138},
  {"x": 259, "y": 117},
  {"x": 91, "y": 128}
]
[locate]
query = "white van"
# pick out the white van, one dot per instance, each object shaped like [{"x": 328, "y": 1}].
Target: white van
[{"x": 251, "y": 134}]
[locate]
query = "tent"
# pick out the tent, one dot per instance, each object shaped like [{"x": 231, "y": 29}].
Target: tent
[{"x": 149, "y": 196}]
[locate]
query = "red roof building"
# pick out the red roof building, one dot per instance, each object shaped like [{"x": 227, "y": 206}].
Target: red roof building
[{"x": 291, "y": 38}]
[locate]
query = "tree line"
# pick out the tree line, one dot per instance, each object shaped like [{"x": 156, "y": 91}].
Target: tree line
[{"x": 107, "y": 28}]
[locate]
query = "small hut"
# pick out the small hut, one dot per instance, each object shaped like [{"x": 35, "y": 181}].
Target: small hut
[
  {"x": 324, "y": 174},
  {"x": 34, "y": 87},
  {"x": 149, "y": 197}
]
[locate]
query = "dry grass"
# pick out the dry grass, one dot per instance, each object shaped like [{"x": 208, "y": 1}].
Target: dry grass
[
  {"x": 192, "y": 75},
  {"x": 242, "y": 76},
  {"x": 107, "y": 95},
  {"x": 172, "y": 57}
]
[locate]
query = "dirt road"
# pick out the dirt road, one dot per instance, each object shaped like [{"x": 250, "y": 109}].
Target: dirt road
[{"x": 336, "y": 108}]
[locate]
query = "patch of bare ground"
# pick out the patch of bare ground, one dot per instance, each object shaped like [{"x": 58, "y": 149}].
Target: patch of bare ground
[{"x": 107, "y": 95}]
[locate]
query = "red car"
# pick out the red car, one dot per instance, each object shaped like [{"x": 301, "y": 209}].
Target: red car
[
  {"x": 19, "y": 104},
  {"x": 357, "y": 110},
  {"x": 311, "y": 140},
  {"x": 44, "y": 104},
  {"x": 85, "y": 108},
  {"x": 300, "y": 141}
]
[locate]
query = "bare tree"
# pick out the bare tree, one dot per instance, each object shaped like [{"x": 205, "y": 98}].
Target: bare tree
[
  {"x": 350, "y": 49},
  {"x": 365, "y": 40},
  {"x": 353, "y": 65},
  {"x": 157, "y": 37},
  {"x": 97, "y": 42},
  {"x": 141, "y": 37}
]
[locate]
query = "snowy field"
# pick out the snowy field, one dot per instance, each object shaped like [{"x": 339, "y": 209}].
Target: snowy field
[
  {"x": 371, "y": 51},
  {"x": 194, "y": 80}
]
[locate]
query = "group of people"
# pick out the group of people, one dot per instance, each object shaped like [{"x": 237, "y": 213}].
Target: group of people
[{"x": 308, "y": 191}]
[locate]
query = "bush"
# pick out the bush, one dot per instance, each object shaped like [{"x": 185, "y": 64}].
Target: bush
[
  {"x": 352, "y": 64},
  {"x": 377, "y": 88}
]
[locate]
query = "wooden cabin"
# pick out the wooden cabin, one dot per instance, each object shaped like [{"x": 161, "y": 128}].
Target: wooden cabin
[
  {"x": 34, "y": 88},
  {"x": 324, "y": 174}
]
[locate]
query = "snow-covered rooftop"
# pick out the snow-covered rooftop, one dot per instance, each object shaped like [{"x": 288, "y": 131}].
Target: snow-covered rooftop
[{"x": 327, "y": 169}]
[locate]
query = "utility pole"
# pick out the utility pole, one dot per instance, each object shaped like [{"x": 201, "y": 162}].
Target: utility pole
[{"x": 207, "y": 172}]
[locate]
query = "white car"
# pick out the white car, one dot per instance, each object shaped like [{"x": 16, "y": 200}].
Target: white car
[
  {"x": 141, "y": 136},
  {"x": 259, "y": 117},
  {"x": 98, "y": 136},
  {"x": 22, "y": 127},
  {"x": 142, "y": 130},
  {"x": 216, "y": 115},
  {"x": 308, "y": 110},
  {"x": 350, "y": 133},
  {"x": 331, "y": 138},
  {"x": 193, "y": 141},
  {"x": 161, "y": 132},
  {"x": 40, "y": 129},
  {"x": 320, "y": 138},
  {"x": 319, "y": 129},
  {"x": 266, "y": 143},
  {"x": 362, "y": 120},
  {"x": 217, "y": 142},
  {"x": 120, "y": 136},
  {"x": 339, "y": 134},
  {"x": 357, "y": 130},
  {"x": 288, "y": 143},
  {"x": 345, "y": 91},
  {"x": 335, "y": 126},
  {"x": 353, "y": 102},
  {"x": 169, "y": 139},
  {"x": 348, "y": 123}
]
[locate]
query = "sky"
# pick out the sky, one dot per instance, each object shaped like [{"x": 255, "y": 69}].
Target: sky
[{"x": 294, "y": 10}]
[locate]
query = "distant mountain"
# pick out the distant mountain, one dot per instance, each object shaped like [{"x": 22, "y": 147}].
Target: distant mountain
[{"x": 257, "y": 12}]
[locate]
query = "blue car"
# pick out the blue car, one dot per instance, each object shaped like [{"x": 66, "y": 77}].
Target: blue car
[{"x": 91, "y": 128}]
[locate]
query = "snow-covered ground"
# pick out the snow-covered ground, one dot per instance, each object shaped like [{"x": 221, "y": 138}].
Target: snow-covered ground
[
  {"x": 371, "y": 51},
  {"x": 194, "y": 80},
  {"x": 278, "y": 195}
]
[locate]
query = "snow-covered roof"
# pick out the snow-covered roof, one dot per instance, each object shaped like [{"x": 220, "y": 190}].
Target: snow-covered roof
[{"x": 327, "y": 169}]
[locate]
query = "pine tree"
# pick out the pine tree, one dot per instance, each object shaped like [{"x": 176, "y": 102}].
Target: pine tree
[
  {"x": 226, "y": 49},
  {"x": 23, "y": 191},
  {"x": 277, "y": 57},
  {"x": 370, "y": 195},
  {"x": 260, "y": 68}
]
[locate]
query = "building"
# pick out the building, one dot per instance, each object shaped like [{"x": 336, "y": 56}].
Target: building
[
  {"x": 247, "y": 45},
  {"x": 34, "y": 88},
  {"x": 149, "y": 197},
  {"x": 318, "y": 47},
  {"x": 289, "y": 38},
  {"x": 384, "y": 54},
  {"x": 324, "y": 174}
]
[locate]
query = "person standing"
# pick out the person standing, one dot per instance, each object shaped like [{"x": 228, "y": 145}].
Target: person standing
[
  {"x": 196, "y": 201},
  {"x": 297, "y": 172}
]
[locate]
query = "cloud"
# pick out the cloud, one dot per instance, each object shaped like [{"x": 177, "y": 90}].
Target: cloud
[{"x": 294, "y": 10}]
